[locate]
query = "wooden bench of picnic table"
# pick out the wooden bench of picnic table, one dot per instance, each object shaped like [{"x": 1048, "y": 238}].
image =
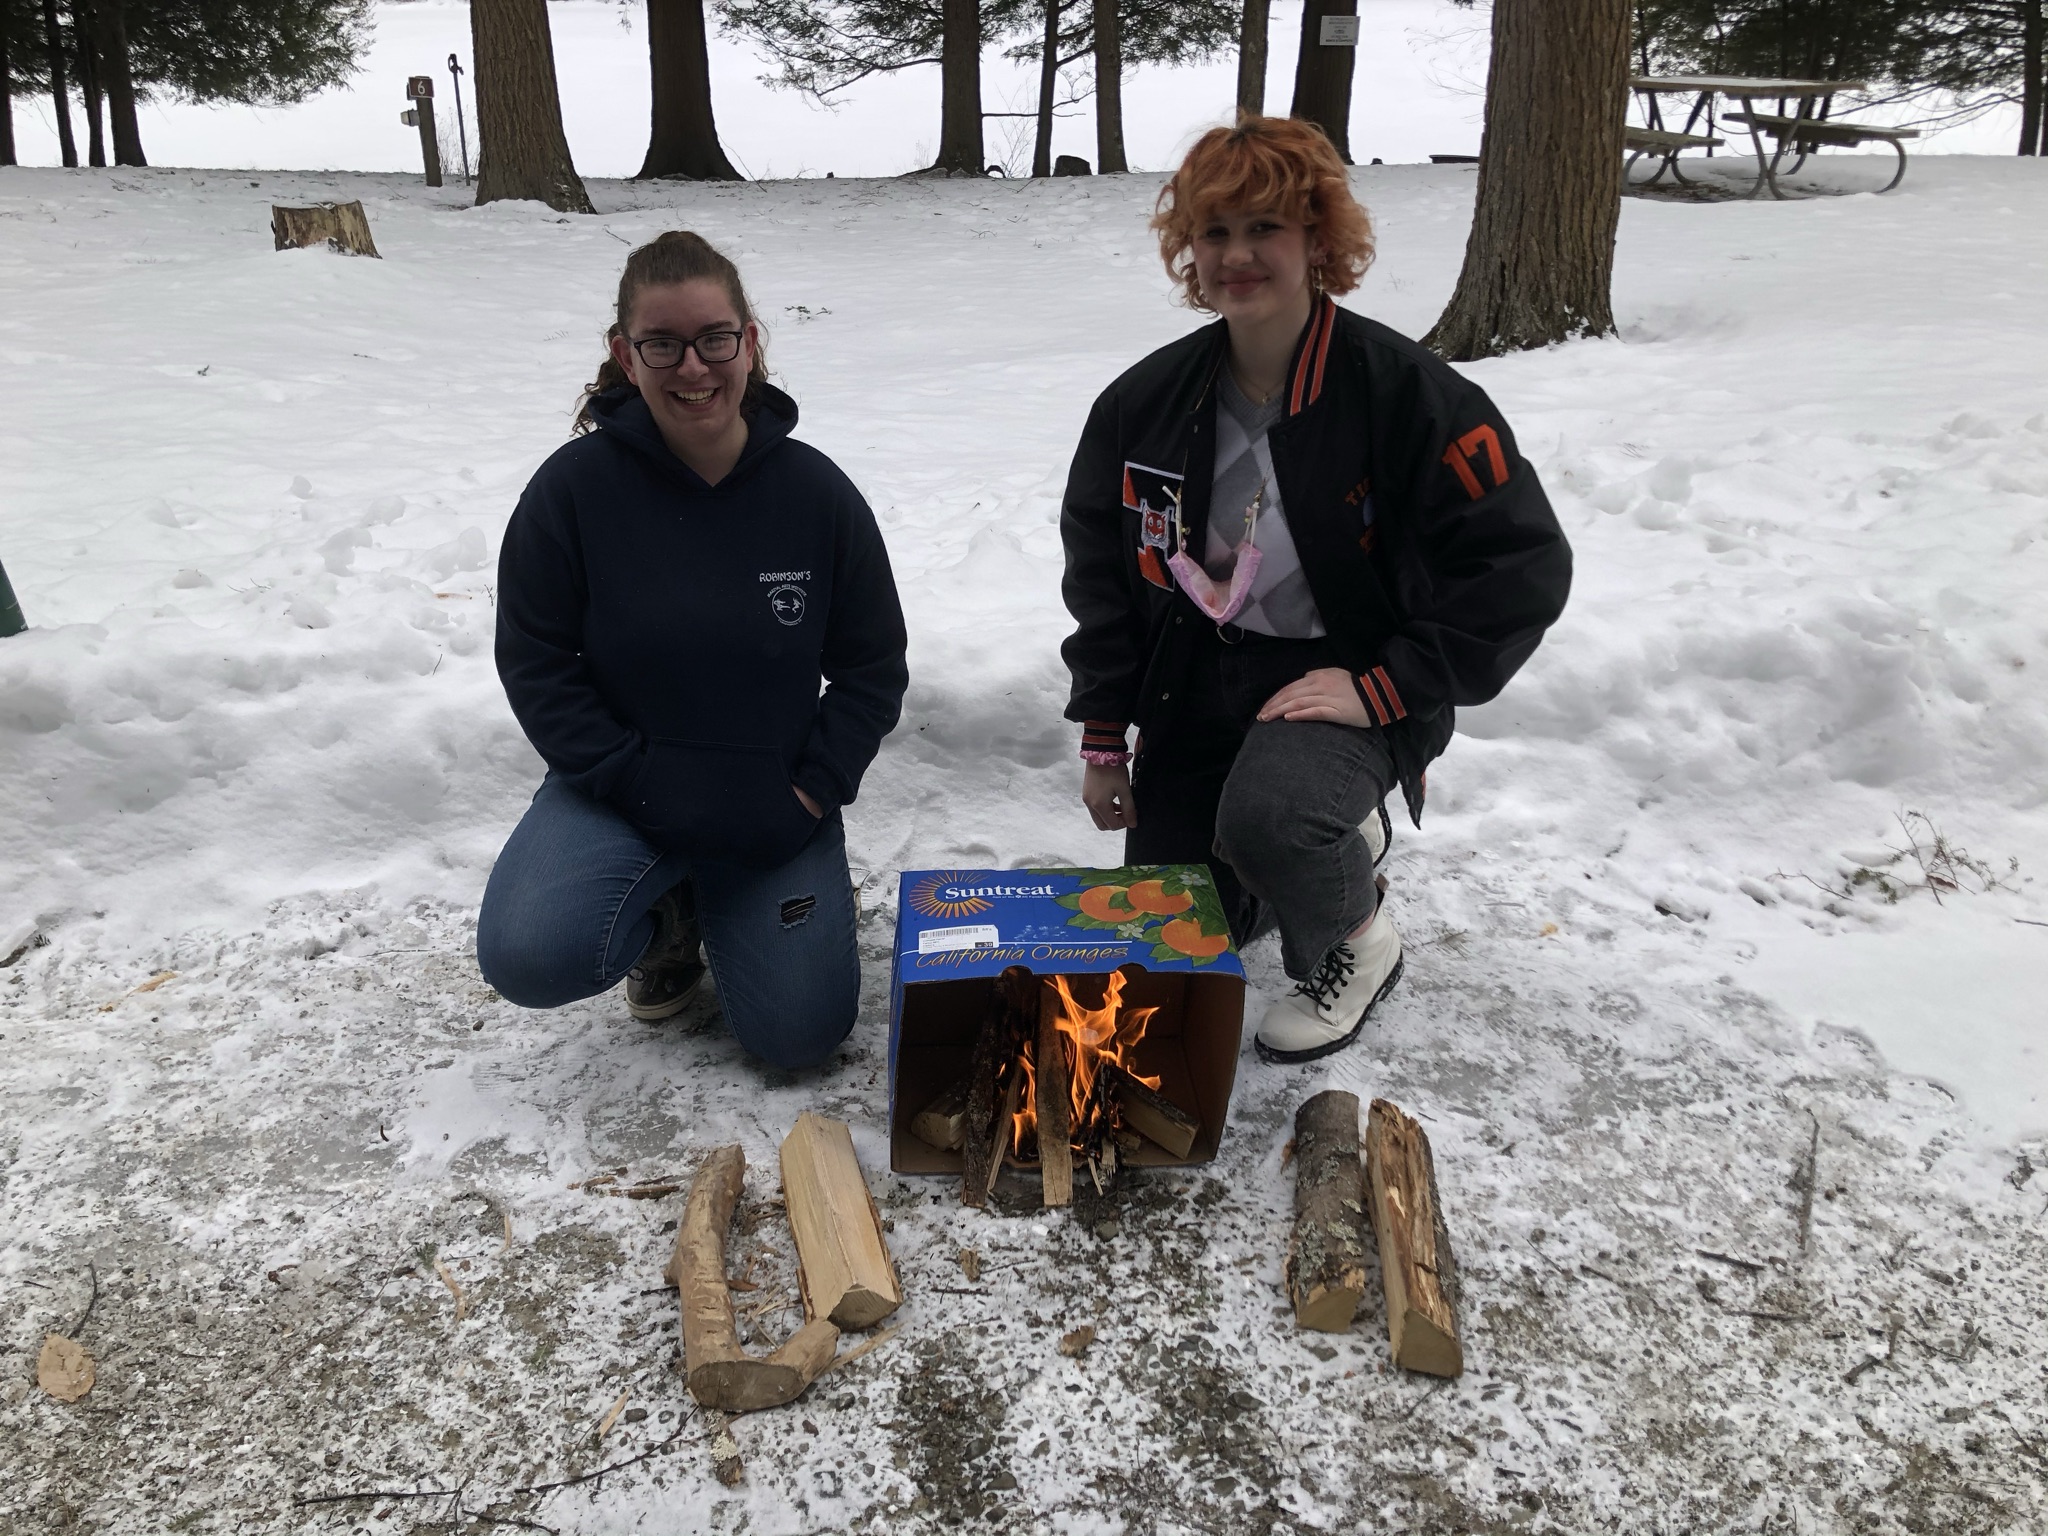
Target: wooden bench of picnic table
[
  {"x": 1807, "y": 134},
  {"x": 1664, "y": 144}
]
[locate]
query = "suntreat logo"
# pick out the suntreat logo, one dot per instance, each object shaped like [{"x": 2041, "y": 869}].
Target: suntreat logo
[{"x": 948, "y": 894}]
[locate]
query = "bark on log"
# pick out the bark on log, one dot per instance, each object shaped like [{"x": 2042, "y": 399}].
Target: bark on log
[
  {"x": 1416, "y": 1263},
  {"x": 340, "y": 225},
  {"x": 721, "y": 1374},
  {"x": 939, "y": 1124},
  {"x": 1150, "y": 1113},
  {"x": 979, "y": 1150},
  {"x": 842, "y": 1259},
  {"x": 1005, "y": 1124},
  {"x": 1050, "y": 1102},
  {"x": 1326, "y": 1261}
]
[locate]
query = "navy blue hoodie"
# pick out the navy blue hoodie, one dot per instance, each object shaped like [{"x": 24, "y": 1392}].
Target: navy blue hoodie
[{"x": 662, "y": 640}]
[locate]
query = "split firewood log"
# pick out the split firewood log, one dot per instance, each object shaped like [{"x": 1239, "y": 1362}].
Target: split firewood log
[
  {"x": 842, "y": 1257},
  {"x": 1415, "y": 1248},
  {"x": 1051, "y": 1102},
  {"x": 981, "y": 1136},
  {"x": 940, "y": 1124},
  {"x": 344, "y": 226},
  {"x": 721, "y": 1374},
  {"x": 1150, "y": 1113},
  {"x": 1326, "y": 1260}
]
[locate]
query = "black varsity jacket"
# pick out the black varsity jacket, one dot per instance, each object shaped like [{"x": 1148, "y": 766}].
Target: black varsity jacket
[{"x": 1435, "y": 602}]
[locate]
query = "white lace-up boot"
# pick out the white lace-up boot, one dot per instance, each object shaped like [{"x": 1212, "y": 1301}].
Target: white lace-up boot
[{"x": 1326, "y": 1012}]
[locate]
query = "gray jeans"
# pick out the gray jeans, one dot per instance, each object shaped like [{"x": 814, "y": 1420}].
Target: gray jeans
[{"x": 1272, "y": 807}]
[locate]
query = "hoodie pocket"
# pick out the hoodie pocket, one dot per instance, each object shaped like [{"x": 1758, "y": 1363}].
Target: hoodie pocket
[{"x": 711, "y": 801}]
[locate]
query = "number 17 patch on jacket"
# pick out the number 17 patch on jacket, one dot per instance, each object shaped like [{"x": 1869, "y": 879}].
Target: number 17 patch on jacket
[{"x": 1154, "y": 494}]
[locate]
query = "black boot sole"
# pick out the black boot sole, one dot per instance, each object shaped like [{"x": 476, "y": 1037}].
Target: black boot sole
[{"x": 1316, "y": 1052}]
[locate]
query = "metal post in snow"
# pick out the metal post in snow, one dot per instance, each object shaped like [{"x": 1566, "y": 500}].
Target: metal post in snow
[
  {"x": 461, "y": 128},
  {"x": 11, "y": 621}
]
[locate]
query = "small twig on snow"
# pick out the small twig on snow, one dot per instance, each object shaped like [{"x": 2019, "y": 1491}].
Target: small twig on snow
[
  {"x": 79, "y": 1327},
  {"x": 1807, "y": 1182},
  {"x": 1750, "y": 1265},
  {"x": 584, "y": 1477},
  {"x": 373, "y": 1493}
]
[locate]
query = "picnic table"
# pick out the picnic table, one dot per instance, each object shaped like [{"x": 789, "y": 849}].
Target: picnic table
[{"x": 1802, "y": 131}]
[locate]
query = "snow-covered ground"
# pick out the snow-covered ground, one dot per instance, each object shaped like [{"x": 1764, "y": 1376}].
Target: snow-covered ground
[{"x": 1662, "y": 1012}]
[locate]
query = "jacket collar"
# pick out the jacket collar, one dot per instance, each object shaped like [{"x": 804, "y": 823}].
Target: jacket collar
[{"x": 621, "y": 413}]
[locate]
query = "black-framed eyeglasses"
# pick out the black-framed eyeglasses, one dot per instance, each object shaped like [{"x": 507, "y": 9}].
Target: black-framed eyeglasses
[{"x": 667, "y": 351}]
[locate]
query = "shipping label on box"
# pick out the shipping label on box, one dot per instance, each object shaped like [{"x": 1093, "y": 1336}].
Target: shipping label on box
[{"x": 959, "y": 929}]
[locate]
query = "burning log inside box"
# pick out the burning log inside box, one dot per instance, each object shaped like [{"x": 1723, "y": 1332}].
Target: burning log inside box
[{"x": 1054, "y": 1086}]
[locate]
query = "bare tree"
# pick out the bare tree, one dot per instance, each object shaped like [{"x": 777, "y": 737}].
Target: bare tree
[
  {"x": 86, "y": 56},
  {"x": 683, "y": 137},
  {"x": 118, "y": 77},
  {"x": 1251, "y": 57},
  {"x": 1540, "y": 257},
  {"x": 960, "y": 115},
  {"x": 1322, "y": 74},
  {"x": 1110, "y": 158},
  {"x": 60, "y": 95},
  {"x": 524, "y": 152},
  {"x": 6, "y": 89}
]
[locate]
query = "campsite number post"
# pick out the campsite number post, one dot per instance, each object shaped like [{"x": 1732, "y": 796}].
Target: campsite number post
[{"x": 419, "y": 90}]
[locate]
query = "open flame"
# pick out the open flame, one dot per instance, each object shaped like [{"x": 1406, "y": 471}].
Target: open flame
[{"x": 1093, "y": 1036}]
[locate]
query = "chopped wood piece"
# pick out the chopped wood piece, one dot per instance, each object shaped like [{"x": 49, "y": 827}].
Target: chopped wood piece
[
  {"x": 1415, "y": 1249},
  {"x": 1006, "y": 1120},
  {"x": 970, "y": 1265},
  {"x": 980, "y": 1150},
  {"x": 939, "y": 1124},
  {"x": 1050, "y": 1082},
  {"x": 64, "y": 1369},
  {"x": 1326, "y": 1259},
  {"x": 1151, "y": 1113},
  {"x": 722, "y": 1375},
  {"x": 340, "y": 225},
  {"x": 1074, "y": 1345},
  {"x": 842, "y": 1257},
  {"x": 726, "y": 1464}
]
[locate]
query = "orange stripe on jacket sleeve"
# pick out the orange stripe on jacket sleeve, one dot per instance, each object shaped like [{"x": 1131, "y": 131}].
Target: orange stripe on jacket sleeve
[
  {"x": 1393, "y": 694},
  {"x": 1372, "y": 697}
]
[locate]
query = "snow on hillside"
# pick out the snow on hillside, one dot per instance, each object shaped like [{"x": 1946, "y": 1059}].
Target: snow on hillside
[{"x": 251, "y": 503}]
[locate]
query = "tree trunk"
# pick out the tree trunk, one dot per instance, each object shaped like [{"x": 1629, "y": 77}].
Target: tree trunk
[
  {"x": 1251, "y": 57},
  {"x": 683, "y": 139},
  {"x": 2033, "y": 113},
  {"x": 524, "y": 153},
  {"x": 1540, "y": 256},
  {"x": 960, "y": 147},
  {"x": 83, "y": 28},
  {"x": 60, "y": 95},
  {"x": 6, "y": 94},
  {"x": 1109, "y": 90},
  {"x": 1322, "y": 76},
  {"x": 1048, "y": 88},
  {"x": 119, "y": 81}
]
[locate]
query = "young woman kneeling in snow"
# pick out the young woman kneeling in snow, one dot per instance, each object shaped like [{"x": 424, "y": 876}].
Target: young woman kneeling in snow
[
  {"x": 673, "y": 588},
  {"x": 1295, "y": 540}
]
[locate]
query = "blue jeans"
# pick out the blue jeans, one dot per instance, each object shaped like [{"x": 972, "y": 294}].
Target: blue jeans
[{"x": 567, "y": 913}]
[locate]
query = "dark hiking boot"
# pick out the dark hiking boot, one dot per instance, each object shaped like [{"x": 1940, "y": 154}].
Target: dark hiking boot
[{"x": 672, "y": 967}]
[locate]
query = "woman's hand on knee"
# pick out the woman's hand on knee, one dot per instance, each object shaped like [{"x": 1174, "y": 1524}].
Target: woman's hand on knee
[
  {"x": 1106, "y": 791},
  {"x": 1325, "y": 694}
]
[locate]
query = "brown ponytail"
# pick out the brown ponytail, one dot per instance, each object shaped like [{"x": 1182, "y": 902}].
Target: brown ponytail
[{"x": 678, "y": 256}]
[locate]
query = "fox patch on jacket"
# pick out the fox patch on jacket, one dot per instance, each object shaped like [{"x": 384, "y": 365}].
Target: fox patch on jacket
[
  {"x": 662, "y": 641},
  {"x": 1433, "y": 600}
]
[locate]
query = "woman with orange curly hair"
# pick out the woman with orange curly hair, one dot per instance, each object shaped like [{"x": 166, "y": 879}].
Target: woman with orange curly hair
[{"x": 1295, "y": 542}]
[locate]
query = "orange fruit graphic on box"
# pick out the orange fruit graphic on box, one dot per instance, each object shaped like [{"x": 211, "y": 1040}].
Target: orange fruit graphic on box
[
  {"x": 1186, "y": 936},
  {"x": 1099, "y": 902},
  {"x": 1150, "y": 896}
]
